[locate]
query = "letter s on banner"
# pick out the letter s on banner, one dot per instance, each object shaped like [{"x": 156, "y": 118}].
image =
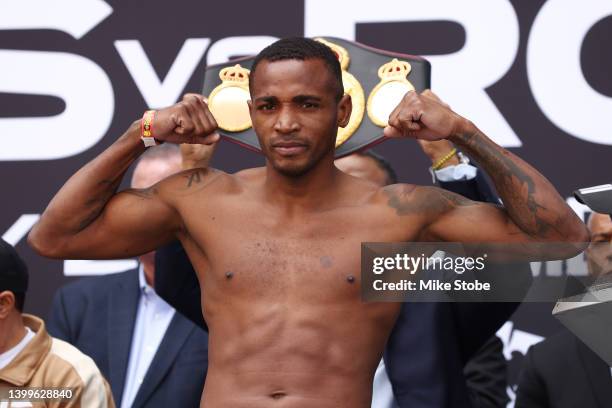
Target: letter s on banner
[
  {"x": 222, "y": 50},
  {"x": 79, "y": 82}
]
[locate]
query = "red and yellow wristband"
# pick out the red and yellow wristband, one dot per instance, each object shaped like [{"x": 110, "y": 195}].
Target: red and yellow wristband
[{"x": 146, "y": 129}]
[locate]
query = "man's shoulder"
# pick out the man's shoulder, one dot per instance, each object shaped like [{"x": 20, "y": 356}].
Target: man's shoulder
[
  {"x": 418, "y": 199},
  {"x": 196, "y": 180},
  {"x": 403, "y": 189},
  {"x": 64, "y": 356},
  {"x": 402, "y": 195},
  {"x": 250, "y": 175}
]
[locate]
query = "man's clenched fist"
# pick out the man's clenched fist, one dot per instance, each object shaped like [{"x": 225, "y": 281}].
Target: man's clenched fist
[
  {"x": 424, "y": 116},
  {"x": 188, "y": 121}
]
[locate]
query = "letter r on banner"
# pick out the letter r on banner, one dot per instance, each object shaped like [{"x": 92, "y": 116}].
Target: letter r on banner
[{"x": 460, "y": 78}]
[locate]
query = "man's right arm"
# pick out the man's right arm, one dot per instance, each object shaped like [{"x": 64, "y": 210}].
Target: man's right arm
[{"x": 87, "y": 218}]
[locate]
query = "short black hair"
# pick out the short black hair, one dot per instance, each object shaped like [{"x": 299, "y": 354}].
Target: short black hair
[
  {"x": 19, "y": 300},
  {"x": 14, "y": 275},
  {"x": 302, "y": 49},
  {"x": 384, "y": 166}
]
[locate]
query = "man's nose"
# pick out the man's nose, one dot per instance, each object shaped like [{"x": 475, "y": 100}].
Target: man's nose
[{"x": 286, "y": 121}]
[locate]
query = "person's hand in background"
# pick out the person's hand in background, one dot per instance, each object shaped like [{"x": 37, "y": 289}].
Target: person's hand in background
[
  {"x": 196, "y": 155},
  {"x": 437, "y": 150}
]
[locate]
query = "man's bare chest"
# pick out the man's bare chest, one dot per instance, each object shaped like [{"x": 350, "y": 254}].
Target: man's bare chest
[{"x": 247, "y": 248}]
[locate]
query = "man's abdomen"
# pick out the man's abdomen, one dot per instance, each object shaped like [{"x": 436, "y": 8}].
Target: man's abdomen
[{"x": 296, "y": 355}]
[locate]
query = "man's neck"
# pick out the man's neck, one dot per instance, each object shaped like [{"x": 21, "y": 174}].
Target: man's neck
[
  {"x": 306, "y": 192},
  {"x": 16, "y": 331}
]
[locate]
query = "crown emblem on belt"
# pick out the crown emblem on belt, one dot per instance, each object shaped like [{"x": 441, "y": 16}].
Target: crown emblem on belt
[
  {"x": 394, "y": 70},
  {"x": 235, "y": 74},
  {"x": 388, "y": 93}
]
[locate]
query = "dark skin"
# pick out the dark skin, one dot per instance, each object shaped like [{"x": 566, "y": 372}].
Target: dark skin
[{"x": 276, "y": 249}]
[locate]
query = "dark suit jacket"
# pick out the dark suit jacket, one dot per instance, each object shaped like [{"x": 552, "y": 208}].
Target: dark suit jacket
[
  {"x": 486, "y": 374},
  {"x": 97, "y": 315},
  {"x": 430, "y": 344},
  {"x": 562, "y": 372}
]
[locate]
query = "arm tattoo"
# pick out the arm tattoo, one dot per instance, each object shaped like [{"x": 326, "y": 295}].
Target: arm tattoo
[
  {"x": 97, "y": 203},
  {"x": 516, "y": 186},
  {"x": 399, "y": 198},
  {"x": 451, "y": 200},
  {"x": 197, "y": 179},
  {"x": 194, "y": 177},
  {"x": 410, "y": 200},
  {"x": 144, "y": 193}
]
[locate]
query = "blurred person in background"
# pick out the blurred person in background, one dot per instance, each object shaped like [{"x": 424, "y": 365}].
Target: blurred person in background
[
  {"x": 30, "y": 358},
  {"x": 562, "y": 371}
]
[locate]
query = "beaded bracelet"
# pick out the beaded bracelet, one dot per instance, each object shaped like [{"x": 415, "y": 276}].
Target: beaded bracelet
[{"x": 443, "y": 160}]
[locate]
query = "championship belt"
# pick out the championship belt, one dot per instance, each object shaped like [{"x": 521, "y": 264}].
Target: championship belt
[{"x": 375, "y": 79}]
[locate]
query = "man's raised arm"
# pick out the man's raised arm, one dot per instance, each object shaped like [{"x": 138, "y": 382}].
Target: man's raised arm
[
  {"x": 533, "y": 210},
  {"x": 87, "y": 218}
]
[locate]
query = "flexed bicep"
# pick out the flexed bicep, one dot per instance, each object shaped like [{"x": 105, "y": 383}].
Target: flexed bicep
[
  {"x": 133, "y": 222},
  {"x": 462, "y": 220},
  {"x": 489, "y": 228},
  {"x": 88, "y": 219}
]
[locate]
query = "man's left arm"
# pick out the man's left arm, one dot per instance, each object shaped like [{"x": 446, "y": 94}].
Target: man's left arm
[{"x": 533, "y": 210}]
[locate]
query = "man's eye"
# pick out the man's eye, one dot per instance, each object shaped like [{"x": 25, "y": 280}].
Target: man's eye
[
  {"x": 265, "y": 107},
  {"x": 309, "y": 105}
]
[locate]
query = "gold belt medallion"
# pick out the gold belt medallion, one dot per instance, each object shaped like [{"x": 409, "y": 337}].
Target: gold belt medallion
[
  {"x": 353, "y": 88},
  {"x": 228, "y": 101}
]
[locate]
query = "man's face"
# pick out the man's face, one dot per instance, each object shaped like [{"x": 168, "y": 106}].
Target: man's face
[
  {"x": 295, "y": 113},
  {"x": 599, "y": 253}
]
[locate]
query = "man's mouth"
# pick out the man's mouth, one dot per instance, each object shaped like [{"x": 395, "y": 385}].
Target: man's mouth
[{"x": 289, "y": 148}]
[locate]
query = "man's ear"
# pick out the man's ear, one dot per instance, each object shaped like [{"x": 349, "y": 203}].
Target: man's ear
[
  {"x": 345, "y": 107},
  {"x": 7, "y": 303}
]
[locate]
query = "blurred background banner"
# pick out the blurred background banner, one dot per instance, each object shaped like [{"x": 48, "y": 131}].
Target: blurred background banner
[{"x": 534, "y": 76}]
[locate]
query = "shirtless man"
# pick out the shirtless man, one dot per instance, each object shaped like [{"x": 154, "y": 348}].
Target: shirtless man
[{"x": 277, "y": 249}]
